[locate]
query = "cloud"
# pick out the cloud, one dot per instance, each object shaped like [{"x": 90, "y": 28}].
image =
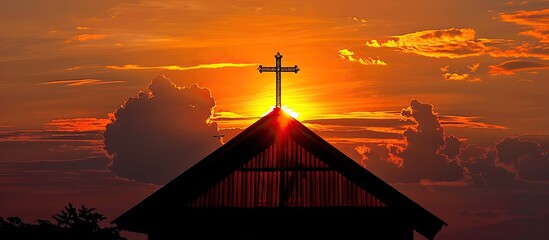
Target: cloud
[
  {"x": 160, "y": 133},
  {"x": 355, "y": 127},
  {"x": 60, "y": 139},
  {"x": 483, "y": 169},
  {"x": 510, "y": 162},
  {"x": 53, "y": 143},
  {"x": 449, "y": 76},
  {"x": 451, "y": 147},
  {"x": 346, "y": 54},
  {"x": 513, "y": 66},
  {"x": 460, "y": 77},
  {"x": 364, "y": 151},
  {"x": 79, "y": 82},
  {"x": 474, "y": 67},
  {"x": 179, "y": 68},
  {"x": 527, "y": 158},
  {"x": 458, "y": 43},
  {"x": 509, "y": 3},
  {"x": 78, "y": 129},
  {"x": 73, "y": 68},
  {"x": 450, "y": 43},
  {"x": 466, "y": 121},
  {"x": 86, "y": 37},
  {"x": 523, "y": 51},
  {"x": 536, "y": 23},
  {"x": 360, "y": 20},
  {"x": 394, "y": 152},
  {"x": 77, "y": 124},
  {"x": 82, "y": 28},
  {"x": 424, "y": 156},
  {"x": 349, "y": 56}
]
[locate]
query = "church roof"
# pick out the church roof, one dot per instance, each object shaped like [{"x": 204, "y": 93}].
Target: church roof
[{"x": 277, "y": 163}]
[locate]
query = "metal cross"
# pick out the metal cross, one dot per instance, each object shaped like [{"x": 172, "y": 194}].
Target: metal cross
[{"x": 278, "y": 70}]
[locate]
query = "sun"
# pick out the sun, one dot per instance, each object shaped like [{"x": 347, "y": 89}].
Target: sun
[{"x": 286, "y": 109}]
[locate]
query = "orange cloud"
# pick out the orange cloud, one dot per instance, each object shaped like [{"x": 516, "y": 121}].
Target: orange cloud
[
  {"x": 524, "y": 50},
  {"x": 73, "y": 68},
  {"x": 180, "y": 116},
  {"x": 361, "y": 20},
  {"x": 394, "y": 152},
  {"x": 447, "y": 75},
  {"x": 78, "y": 124},
  {"x": 232, "y": 120},
  {"x": 455, "y": 76},
  {"x": 371, "y": 61},
  {"x": 349, "y": 56},
  {"x": 82, "y": 28},
  {"x": 450, "y": 43},
  {"x": 466, "y": 122},
  {"x": 79, "y": 82},
  {"x": 346, "y": 54},
  {"x": 535, "y": 22},
  {"x": 511, "y": 67},
  {"x": 179, "y": 68},
  {"x": 363, "y": 150},
  {"x": 474, "y": 67},
  {"x": 86, "y": 37}
]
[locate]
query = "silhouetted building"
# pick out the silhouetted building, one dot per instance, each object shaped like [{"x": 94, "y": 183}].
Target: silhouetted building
[{"x": 278, "y": 180}]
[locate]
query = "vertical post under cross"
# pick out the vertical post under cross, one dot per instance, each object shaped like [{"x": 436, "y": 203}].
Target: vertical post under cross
[{"x": 278, "y": 69}]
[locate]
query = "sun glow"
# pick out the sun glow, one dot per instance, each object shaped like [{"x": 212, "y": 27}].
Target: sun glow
[
  {"x": 290, "y": 112},
  {"x": 286, "y": 109}
]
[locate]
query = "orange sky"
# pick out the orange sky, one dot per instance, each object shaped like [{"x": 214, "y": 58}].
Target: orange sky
[
  {"x": 468, "y": 58},
  {"x": 483, "y": 65}
]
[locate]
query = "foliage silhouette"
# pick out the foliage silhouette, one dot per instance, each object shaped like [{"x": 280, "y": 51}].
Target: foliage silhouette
[{"x": 71, "y": 223}]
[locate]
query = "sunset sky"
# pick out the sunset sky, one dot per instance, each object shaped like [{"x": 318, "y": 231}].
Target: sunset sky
[{"x": 447, "y": 101}]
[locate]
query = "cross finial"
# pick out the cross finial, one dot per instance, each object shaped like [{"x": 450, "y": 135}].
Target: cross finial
[{"x": 278, "y": 70}]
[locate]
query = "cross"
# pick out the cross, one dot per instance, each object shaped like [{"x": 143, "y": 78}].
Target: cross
[{"x": 278, "y": 70}]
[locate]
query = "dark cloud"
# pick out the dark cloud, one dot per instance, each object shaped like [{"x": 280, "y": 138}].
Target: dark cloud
[
  {"x": 451, "y": 147},
  {"x": 159, "y": 134},
  {"x": 513, "y": 66},
  {"x": 483, "y": 169},
  {"x": 510, "y": 163},
  {"x": 425, "y": 154},
  {"x": 428, "y": 156},
  {"x": 421, "y": 157},
  {"x": 528, "y": 158}
]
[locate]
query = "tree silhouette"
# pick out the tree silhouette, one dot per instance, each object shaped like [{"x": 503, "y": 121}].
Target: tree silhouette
[{"x": 71, "y": 223}]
